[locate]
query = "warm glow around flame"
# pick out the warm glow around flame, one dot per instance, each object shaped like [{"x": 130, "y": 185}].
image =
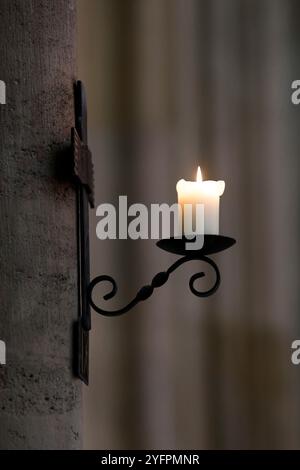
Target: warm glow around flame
[{"x": 199, "y": 175}]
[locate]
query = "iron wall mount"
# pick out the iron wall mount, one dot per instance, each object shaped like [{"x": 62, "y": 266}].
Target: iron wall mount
[{"x": 82, "y": 170}]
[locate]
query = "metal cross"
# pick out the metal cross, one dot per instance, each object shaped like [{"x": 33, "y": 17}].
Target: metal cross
[{"x": 84, "y": 178}]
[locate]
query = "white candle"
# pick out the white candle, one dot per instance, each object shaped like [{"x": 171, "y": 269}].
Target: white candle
[{"x": 201, "y": 192}]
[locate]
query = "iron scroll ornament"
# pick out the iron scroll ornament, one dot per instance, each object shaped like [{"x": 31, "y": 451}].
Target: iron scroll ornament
[{"x": 212, "y": 244}]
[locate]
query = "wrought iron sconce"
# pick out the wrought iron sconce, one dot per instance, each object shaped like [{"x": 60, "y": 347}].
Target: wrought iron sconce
[{"x": 83, "y": 175}]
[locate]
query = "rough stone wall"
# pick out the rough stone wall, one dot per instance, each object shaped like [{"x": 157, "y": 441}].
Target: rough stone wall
[{"x": 40, "y": 400}]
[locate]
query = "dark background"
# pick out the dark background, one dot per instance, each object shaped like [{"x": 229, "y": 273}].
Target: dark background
[{"x": 172, "y": 84}]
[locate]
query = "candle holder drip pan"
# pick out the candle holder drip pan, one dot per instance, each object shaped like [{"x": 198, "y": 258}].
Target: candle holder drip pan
[{"x": 212, "y": 244}]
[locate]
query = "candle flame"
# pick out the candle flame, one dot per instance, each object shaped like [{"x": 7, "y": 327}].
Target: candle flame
[{"x": 199, "y": 175}]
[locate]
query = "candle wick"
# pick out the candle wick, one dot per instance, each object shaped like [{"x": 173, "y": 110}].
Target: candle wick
[{"x": 199, "y": 175}]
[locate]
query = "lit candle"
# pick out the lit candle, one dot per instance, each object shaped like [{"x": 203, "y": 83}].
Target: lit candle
[{"x": 200, "y": 192}]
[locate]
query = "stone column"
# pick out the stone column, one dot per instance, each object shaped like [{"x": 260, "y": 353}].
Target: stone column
[{"x": 40, "y": 399}]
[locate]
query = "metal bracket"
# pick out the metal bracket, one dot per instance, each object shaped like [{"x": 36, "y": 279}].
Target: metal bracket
[
  {"x": 212, "y": 244},
  {"x": 83, "y": 176},
  {"x": 84, "y": 179}
]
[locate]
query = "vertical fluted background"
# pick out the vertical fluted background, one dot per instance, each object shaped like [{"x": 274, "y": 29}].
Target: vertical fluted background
[{"x": 172, "y": 84}]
